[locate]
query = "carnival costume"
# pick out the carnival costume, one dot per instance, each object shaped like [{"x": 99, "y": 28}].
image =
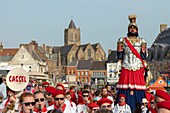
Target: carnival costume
[{"x": 131, "y": 61}]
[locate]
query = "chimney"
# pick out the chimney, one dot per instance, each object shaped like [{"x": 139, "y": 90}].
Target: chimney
[
  {"x": 1, "y": 46},
  {"x": 44, "y": 47},
  {"x": 33, "y": 45},
  {"x": 163, "y": 27}
]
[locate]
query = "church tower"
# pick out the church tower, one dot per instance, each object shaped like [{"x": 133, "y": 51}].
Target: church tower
[{"x": 72, "y": 34}]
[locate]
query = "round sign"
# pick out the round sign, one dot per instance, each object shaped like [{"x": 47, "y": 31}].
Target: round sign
[{"x": 17, "y": 79}]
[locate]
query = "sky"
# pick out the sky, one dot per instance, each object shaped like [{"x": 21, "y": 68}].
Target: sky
[{"x": 100, "y": 21}]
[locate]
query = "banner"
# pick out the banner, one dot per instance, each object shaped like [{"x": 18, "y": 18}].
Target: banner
[{"x": 17, "y": 79}]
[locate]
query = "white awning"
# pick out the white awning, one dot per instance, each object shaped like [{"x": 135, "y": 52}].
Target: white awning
[{"x": 38, "y": 75}]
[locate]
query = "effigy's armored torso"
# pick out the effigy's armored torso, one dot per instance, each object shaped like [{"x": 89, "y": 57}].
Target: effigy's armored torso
[{"x": 130, "y": 61}]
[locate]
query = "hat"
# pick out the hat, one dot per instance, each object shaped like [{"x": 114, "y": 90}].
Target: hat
[
  {"x": 51, "y": 90},
  {"x": 45, "y": 83},
  {"x": 122, "y": 95},
  {"x": 164, "y": 104},
  {"x": 132, "y": 19},
  {"x": 61, "y": 86},
  {"x": 144, "y": 100},
  {"x": 29, "y": 85},
  {"x": 162, "y": 94},
  {"x": 92, "y": 105},
  {"x": 104, "y": 100},
  {"x": 58, "y": 92}
]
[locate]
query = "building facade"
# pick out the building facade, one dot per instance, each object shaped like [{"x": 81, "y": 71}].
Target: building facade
[
  {"x": 74, "y": 50},
  {"x": 159, "y": 52}
]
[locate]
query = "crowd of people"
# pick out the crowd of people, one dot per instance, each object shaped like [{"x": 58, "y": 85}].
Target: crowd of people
[{"x": 45, "y": 98}]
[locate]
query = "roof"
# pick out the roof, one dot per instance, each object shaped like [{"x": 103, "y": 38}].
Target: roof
[
  {"x": 40, "y": 54},
  {"x": 158, "y": 84},
  {"x": 6, "y": 58},
  {"x": 98, "y": 65},
  {"x": 73, "y": 63},
  {"x": 8, "y": 52},
  {"x": 112, "y": 57},
  {"x": 72, "y": 25},
  {"x": 83, "y": 46},
  {"x": 163, "y": 37},
  {"x": 63, "y": 49},
  {"x": 95, "y": 46},
  {"x": 56, "y": 49},
  {"x": 84, "y": 64}
]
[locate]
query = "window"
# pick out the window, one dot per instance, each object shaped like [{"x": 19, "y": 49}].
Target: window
[
  {"x": 76, "y": 37},
  {"x": 78, "y": 73},
  {"x": 110, "y": 76},
  {"x": 82, "y": 73},
  {"x": 22, "y": 56},
  {"x": 71, "y": 36},
  {"x": 89, "y": 53},
  {"x": 82, "y": 80},
  {"x": 86, "y": 73}
]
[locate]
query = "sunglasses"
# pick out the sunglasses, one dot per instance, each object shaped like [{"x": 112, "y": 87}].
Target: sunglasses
[
  {"x": 95, "y": 109},
  {"x": 144, "y": 103},
  {"x": 39, "y": 100},
  {"x": 152, "y": 102},
  {"x": 49, "y": 94},
  {"x": 28, "y": 103},
  {"x": 45, "y": 86},
  {"x": 106, "y": 106},
  {"x": 59, "y": 98},
  {"x": 85, "y": 95}
]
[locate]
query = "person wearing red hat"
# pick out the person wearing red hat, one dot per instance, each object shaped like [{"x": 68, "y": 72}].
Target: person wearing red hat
[
  {"x": 152, "y": 107},
  {"x": 93, "y": 107},
  {"x": 162, "y": 96},
  {"x": 105, "y": 94},
  {"x": 59, "y": 102},
  {"x": 83, "y": 101},
  {"x": 163, "y": 107},
  {"x": 149, "y": 96},
  {"x": 50, "y": 94},
  {"x": 40, "y": 106},
  {"x": 45, "y": 84},
  {"x": 122, "y": 107},
  {"x": 73, "y": 94},
  {"x": 105, "y": 103},
  {"x": 60, "y": 87}
]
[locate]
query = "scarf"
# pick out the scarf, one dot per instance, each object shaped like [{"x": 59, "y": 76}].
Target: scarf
[
  {"x": 120, "y": 104},
  {"x": 62, "y": 108},
  {"x": 42, "y": 110}
]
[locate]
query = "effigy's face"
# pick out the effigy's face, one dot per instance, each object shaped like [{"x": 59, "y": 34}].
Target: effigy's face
[{"x": 132, "y": 29}]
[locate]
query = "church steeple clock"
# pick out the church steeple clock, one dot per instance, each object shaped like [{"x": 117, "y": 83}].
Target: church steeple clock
[{"x": 72, "y": 34}]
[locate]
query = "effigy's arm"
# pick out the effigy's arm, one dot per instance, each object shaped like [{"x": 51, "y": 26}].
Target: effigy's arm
[
  {"x": 120, "y": 51},
  {"x": 119, "y": 54},
  {"x": 143, "y": 51}
]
